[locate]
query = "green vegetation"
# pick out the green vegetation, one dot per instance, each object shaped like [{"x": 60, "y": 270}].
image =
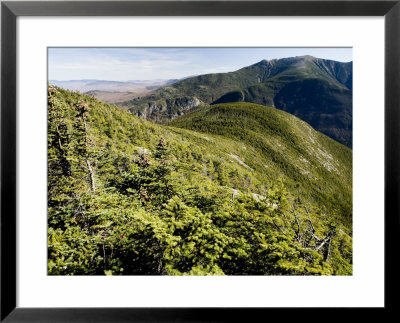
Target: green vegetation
[
  {"x": 325, "y": 106},
  {"x": 232, "y": 189},
  {"x": 278, "y": 145},
  {"x": 315, "y": 90}
]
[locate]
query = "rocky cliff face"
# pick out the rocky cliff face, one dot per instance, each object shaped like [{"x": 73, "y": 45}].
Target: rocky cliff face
[{"x": 167, "y": 109}]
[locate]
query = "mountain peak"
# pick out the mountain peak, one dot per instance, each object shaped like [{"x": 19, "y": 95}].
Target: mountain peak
[
  {"x": 307, "y": 57},
  {"x": 287, "y": 59},
  {"x": 266, "y": 61}
]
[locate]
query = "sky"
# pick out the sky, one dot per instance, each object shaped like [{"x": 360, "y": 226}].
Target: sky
[{"x": 124, "y": 64}]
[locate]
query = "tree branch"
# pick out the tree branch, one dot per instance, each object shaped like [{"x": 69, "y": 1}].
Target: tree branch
[{"x": 298, "y": 225}]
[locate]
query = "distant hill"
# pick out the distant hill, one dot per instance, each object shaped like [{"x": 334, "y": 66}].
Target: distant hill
[
  {"x": 111, "y": 86},
  {"x": 113, "y": 97},
  {"x": 316, "y": 90},
  {"x": 229, "y": 189}
]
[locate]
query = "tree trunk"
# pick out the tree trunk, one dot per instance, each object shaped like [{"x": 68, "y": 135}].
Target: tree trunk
[
  {"x": 89, "y": 166},
  {"x": 91, "y": 174}
]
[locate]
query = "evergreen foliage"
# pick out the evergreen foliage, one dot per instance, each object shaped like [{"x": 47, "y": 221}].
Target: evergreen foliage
[{"x": 128, "y": 197}]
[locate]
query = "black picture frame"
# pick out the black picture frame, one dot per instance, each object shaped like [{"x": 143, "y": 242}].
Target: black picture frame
[{"x": 10, "y": 10}]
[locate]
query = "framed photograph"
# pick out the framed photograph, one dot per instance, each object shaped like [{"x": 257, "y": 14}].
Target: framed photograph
[{"x": 198, "y": 160}]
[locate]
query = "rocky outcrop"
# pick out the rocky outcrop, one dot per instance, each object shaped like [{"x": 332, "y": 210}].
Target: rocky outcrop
[
  {"x": 166, "y": 110},
  {"x": 187, "y": 103}
]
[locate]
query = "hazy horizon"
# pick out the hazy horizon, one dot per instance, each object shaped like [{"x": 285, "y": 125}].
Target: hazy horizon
[{"x": 132, "y": 64}]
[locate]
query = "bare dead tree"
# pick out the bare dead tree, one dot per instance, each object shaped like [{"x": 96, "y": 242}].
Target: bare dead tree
[
  {"x": 321, "y": 242},
  {"x": 298, "y": 231},
  {"x": 83, "y": 111},
  {"x": 91, "y": 175},
  {"x": 309, "y": 219}
]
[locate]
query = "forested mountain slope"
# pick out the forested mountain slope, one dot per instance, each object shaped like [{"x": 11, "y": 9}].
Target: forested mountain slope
[
  {"x": 279, "y": 145},
  {"x": 234, "y": 189},
  {"x": 317, "y": 91}
]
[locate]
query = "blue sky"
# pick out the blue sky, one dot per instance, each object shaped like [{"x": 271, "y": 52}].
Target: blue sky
[{"x": 123, "y": 64}]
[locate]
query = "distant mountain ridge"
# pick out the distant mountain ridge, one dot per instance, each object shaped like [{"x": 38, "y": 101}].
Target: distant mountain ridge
[
  {"x": 318, "y": 91},
  {"x": 87, "y": 85}
]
